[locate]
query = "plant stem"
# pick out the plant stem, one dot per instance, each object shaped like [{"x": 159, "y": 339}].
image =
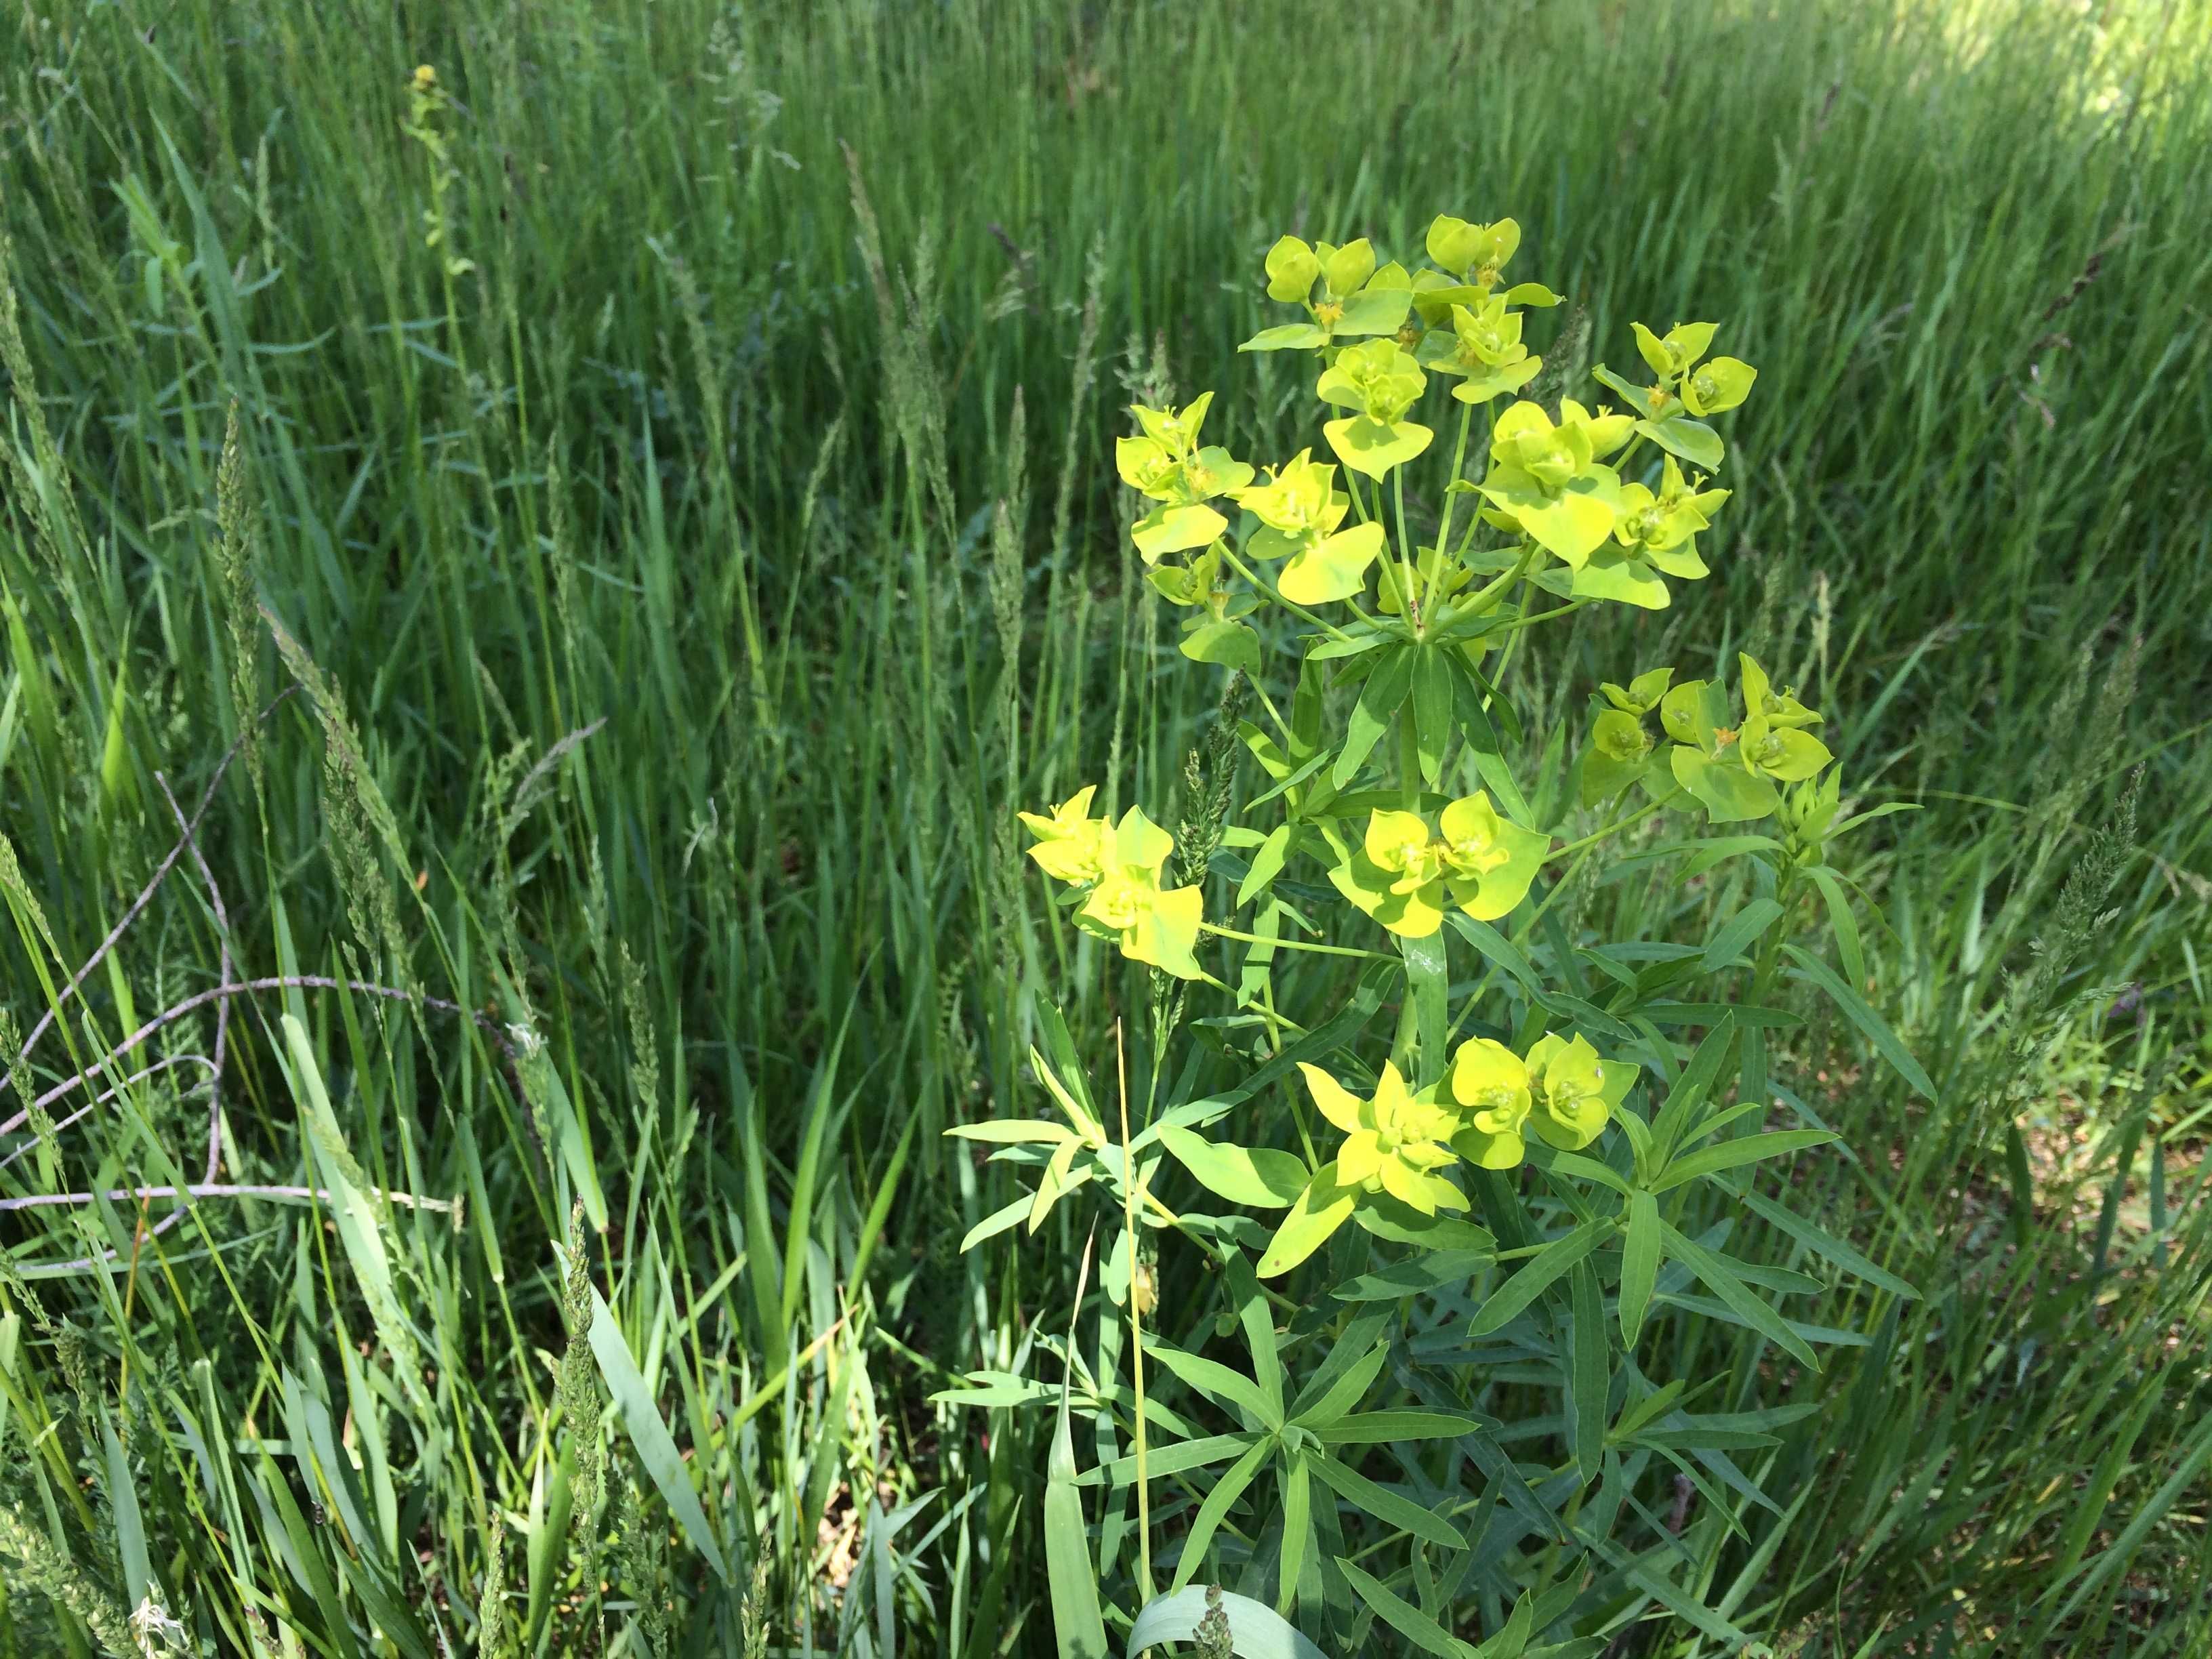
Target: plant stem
[
  {"x": 1451, "y": 496},
  {"x": 1485, "y": 599},
  {"x": 1268, "y": 588},
  {"x": 1405, "y": 550},
  {"x": 1130, "y": 1182},
  {"x": 1520, "y": 622},
  {"x": 1618, "y": 825},
  {"x": 1294, "y": 944}
]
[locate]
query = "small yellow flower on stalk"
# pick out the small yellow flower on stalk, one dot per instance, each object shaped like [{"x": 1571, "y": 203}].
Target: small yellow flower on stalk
[
  {"x": 1072, "y": 846},
  {"x": 1549, "y": 479},
  {"x": 1127, "y": 904},
  {"x": 1299, "y": 510},
  {"x": 1403, "y": 876},
  {"x": 1574, "y": 1092},
  {"x": 1394, "y": 1142},
  {"x": 1490, "y": 1084},
  {"x": 1561, "y": 1090},
  {"x": 1167, "y": 466}
]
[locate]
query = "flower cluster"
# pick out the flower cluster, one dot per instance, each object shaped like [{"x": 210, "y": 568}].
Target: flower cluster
[
  {"x": 1483, "y": 1110},
  {"x": 1167, "y": 466},
  {"x": 1113, "y": 870},
  {"x": 1732, "y": 768},
  {"x": 1403, "y": 873}
]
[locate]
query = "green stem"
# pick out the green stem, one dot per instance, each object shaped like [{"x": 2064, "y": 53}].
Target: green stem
[
  {"x": 1294, "y": 944},
  {"x": 1520, "y": 622},
  {"x": 1616, "y": 827},
  {"x": 1358, "y": 611},
  {"x": 1275, "y": 597},
  {"x": 1405, "y": 550},
  {"x": 1486, "y": 598},
  {"x": 1274, "y": 713},
  {"x": 1451, "y": 496},
  {"x": 1409, "y": 764}
]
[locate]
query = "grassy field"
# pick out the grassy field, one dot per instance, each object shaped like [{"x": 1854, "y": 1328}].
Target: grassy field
[{"x": 669, "y": 583}]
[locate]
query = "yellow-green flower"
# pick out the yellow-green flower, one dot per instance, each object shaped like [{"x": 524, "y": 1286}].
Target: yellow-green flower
[
  {"x": 1392, "y": 1143},
  {"x": 1783, "y": 753},
  {"x": 1381, "y": 381},
  {"x": 1403, "y": 875},
  {"x": 1574, "y": 1092},
  {"x": 1490, "y": 1084},
  {"x": 1561, "y": 1090},
  {"x": 1689, "y": 387},
  {"x": 1620, "y": 748},
  {"x": 1715, "y": 388},
  {"x": 1299, "y": 511},
  {"x": 1167, "y": 466},
  {"x": 1548, "y": 478},
  {"x": 1641, "y": 695},
  {"x": 1128, "y": 905},
  {"x": 1072, "y": 846},
  {"x": 1472, "y": 257},
  {"x": 1733, "y": 771},
  {"x": 1761, "y": 699},
  {"x": 1475, "y": 253},
  {"x": 1483, "y": 350},
  {"x": 1656, "y": 537},
  {"x": 1672, "y": 356},
  {"x": 1353, "y": 297}
]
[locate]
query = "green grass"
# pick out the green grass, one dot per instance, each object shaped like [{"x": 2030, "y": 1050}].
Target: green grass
[{"x": 671, "y": 683}]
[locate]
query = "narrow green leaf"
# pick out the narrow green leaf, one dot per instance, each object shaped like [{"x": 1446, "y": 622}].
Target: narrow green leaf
[
  {"x": 359, "y": 1228},
  {"x": 1078, "y": 1629},
  {"x": 1843, "y": 921},
  {"x": 1718, "y": 1276},
  {"x": 1226, "y": 1491},
  {"x": 1216, "y": 1381},
  {"x": 1823, "y": 1244},
  {"x": 1259, "y": 1326},
  {"x": 1732, "y": 940},
  {"x": 1536, "y": 1276},
  {"x": 1871, "y": 1025},
  {"x": 1432, "y": 695},
  {"x": 1266, "y": 864},
  {"x": 1014, "y": 1130},
  {"x": 1402, "y": 1616},
  {"x": 1639, "y": 1264},
  {"x": 656, "y": 1448},
  {"x": 1415, "y": 1275},
  {"x": 1592, "y": 1376},
  {"x": 1345, "y": 1391},
  {"x": 1730, "y": 1154},
  {"x": 1683, "y": 1101},
  {"x": 1175, "y": 1458},
  {"x": 1261, "y": 1178},
  {"x": 1497, "y": 948},
  {"x": 1428, "y": 976},
  {"x": 1386, "y": 1506},
  {"x": 1297, "y": 1530},
  {"x": 997, "y": 1221},
  {"x": 1380, "y": 1428},
  {"x": 1380, "y": 698}
]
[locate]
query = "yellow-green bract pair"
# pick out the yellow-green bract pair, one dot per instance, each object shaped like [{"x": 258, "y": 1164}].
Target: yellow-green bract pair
[
  {"x": 1730, "y": 770},
  {"x": 1117, "y": 868},
  {"x": 1403, "y": 873},
  {"x": 1398, "y": 1141}
]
